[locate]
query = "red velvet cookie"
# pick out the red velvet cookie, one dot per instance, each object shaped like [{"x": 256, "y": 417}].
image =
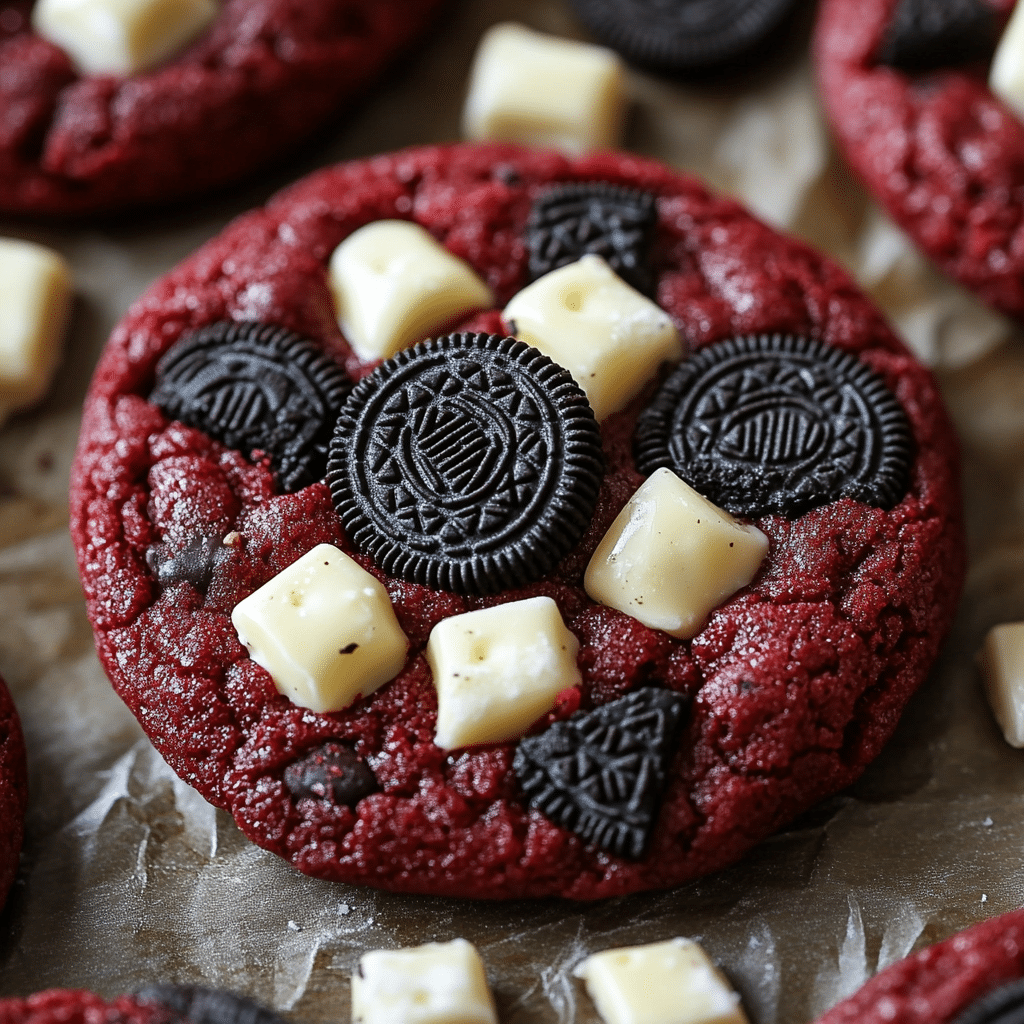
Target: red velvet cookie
[
  {"x": 972, "y": 977},
  {"x": 922, "y": 130},
  {"x": 13, "y": 791},
  {"x": 670, "y": 757},
  {"x": 262, "y": 78}
]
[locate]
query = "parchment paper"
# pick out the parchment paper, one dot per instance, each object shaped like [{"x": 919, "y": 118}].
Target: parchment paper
[{"x": 129, "y": 877}]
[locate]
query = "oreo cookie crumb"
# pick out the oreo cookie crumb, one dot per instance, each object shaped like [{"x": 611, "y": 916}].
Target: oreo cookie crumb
[
  {"x": 579, "y": 219},
  {"x": 331, "y": 772},
  {"x": 194, "y": 563},
  {"x": 256, "y": 387},
  {"x": 682, "y": 36},
  {"x": 925, "y": 35},
  {"x": 601, "y": 773},
  {"x": 781, "y": 424},
  {"x": 470, "y": 463},
  {"x": 196, "y": 1005},
  {"x": 1004, "y": 1005}
]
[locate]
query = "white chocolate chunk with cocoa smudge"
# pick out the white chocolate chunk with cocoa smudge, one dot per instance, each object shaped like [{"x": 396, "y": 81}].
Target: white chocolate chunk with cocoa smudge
[
  {"x": 671, "y": 557},
  {"x": 497, "y": 670},
  {"x": 324, "y": 629},
  {"x": 1001, "y": 661},
  {"x": 35, "y": 303},
  {"x": 606, "y": 334},
  {"x": 1006, "y": 76},
  {"x": 394, "y": 284},
  {"x": 121, "y": 37},
  {"x": 437, "y": 983},
  {"x": 670, "y": 982},
  {"x": 539, "y": 90}
]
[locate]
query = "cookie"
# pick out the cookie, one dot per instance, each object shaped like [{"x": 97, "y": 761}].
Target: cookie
[
  {"x": 973, "y": 977},
  {"x": 13, "y": 791},
  {"x": 905, "y": 89},
  {"x": 656, "y": 736},
  {"x": 256, "y": 81},
  {"x": 154, "y": 1004}
]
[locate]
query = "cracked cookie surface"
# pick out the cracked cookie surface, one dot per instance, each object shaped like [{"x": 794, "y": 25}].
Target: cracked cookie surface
[{"x": 793, "y": 684}]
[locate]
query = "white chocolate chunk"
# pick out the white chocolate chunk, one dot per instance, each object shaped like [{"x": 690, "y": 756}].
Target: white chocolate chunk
[
  {"x": 1001, "y": 660},
  {"x": 121, "y": 37},
  {"x": 671, "y": 557},
  {"x": 670, "y": 982},
  {"x": 1006, "y": 76},
  {"x": 538, "y": 90},
  {"x": 606, "y": 334},
  {"x": 394, "y": 284},
  {"x": 35, "y": 303},
  {"x": 324, "y": 629},
  {"x": 438, "y": 983},
  {"x": 497, "y": 670}
]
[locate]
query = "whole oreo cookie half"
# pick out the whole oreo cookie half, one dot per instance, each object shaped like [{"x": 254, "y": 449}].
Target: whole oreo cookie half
[
  {"x": 928, "y": 34},
  {"x": 780, "y": 424},
  {"x": 682, "y": 36},
  {"x": 600, "y": 773},
  {"x": 578, "y": 219},
  {"x": 256, "y": 387},
  {"x": 469, "y": 463}
]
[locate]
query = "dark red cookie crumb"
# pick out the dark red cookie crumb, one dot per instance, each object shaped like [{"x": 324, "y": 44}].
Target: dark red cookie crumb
[
  {"x": 937, "y": 984},
  {"x": 263, "y": 77},
  {"x": 938, "y": 150},
  {"x": 13, "y": 791},
  {"x": 796, "y": 682}
]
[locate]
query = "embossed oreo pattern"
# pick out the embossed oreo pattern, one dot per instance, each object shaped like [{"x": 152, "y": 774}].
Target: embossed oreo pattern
[
  {"x": 468, "y": 463},
  {"x": 600, "y": 773},
  {"x": 579, "y": 219},
  {"x": 256, "y": 387},
  {"x": 777, "y": 424}
]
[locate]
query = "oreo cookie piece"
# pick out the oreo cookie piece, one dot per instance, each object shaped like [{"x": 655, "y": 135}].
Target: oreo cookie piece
[
  {"x": 601, "y": 773},
  {"x": 780, "y": 424},
  {"x": 1003, "y": 1006},
  {"x": 597, "y": 218},
  {"x": 256, "y": 387},
  {"x": 682, "y": 36},
  {"x": 331, "y": 772},
  {"x": 13, "y": 791},
  {"x": 925, "y": 35},
  {"x": 193, "y": 1004},
  {"x": 194, "y": 563},
  {"x": 469, "y": 463}
]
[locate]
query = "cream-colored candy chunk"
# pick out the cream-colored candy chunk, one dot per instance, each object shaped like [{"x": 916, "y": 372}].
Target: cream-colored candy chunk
[
  {"x": 394, "y": 284},
  {"x": 497, "y": 670},
  {"x": 606, "y": 334},
  {"x": 538, "y": 90},
  {"x": 670, "y": 982},
  {"x": 121, "y": 37},
  {"x": 1001, "y": 660},
  {"x": 1006, "y": 76},
  {"x": 438, "y": 983},
  {"x": 35, "y": 301},
  {"x": 671, "y": 557},
  {"x": 324, "y": 629}
]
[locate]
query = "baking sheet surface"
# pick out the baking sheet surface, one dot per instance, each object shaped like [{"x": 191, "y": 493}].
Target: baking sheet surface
[{"x": 128, "y": 876}]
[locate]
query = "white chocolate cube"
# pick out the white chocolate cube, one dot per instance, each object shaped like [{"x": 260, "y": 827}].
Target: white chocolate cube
[
  {"x": 1001, "y": 660},
  {"x": 670, "y": 982},
  {"x": 606, "y": 334},
  {"x": 394, "y": 284},
  {"x": 671, "y": 557},
  {"x": 497, "y": 670},
  {"x": 121, "y": 37},
  {"x": 324, "y": 629},
  {"x": 438, "y": 983},
  {"x": 35, "y": 302},
  {"x": 539, "y": 90},
  {"x": 1006, "y": 76}
]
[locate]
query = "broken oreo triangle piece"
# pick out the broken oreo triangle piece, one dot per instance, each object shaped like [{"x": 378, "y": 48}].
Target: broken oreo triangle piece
[
  {"x": 601, "y": 773},
  {"x": 925, "y": 35}
]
